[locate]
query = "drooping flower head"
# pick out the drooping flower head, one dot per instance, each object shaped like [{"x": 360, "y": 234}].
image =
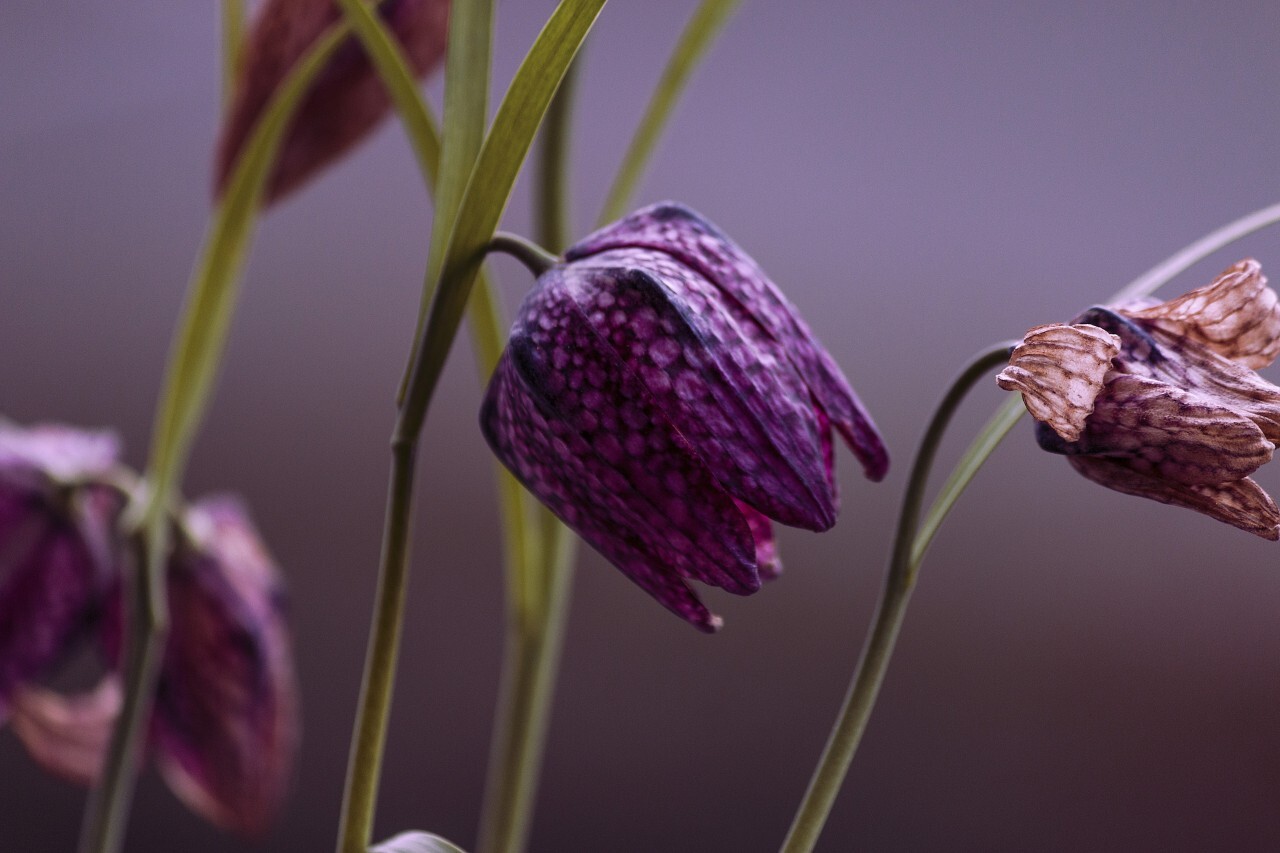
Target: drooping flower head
[
  {"x": 662, "y": 397},
  {"x": 224, "y": 723},
  {"x": 57, "y": 553},
  {"x": 1160, "y": 400},
  {"x": 347, "y": 99}
]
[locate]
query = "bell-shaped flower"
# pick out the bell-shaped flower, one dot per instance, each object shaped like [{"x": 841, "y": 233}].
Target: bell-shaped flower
[
  {"x": 1160, "y": 400},
  {"x": 347, "y": 99},
  {"x": 57, "y": 557},
  {"x": 224, "y": 724},
  {"x": 663, "y": 398}
]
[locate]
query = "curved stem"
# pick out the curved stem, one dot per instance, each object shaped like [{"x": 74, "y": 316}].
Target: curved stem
[
  {"x": 900, "y": 581},
  {"x": 536, "y": 259}
]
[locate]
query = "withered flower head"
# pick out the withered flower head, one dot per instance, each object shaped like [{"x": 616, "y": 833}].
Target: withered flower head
[
  {"x": 347, "y": 99},
  {"x": 1160, "y": 400},
  {"x": 663, "y": 398}
]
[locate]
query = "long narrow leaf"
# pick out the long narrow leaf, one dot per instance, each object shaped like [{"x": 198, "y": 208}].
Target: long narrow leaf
[
  {"x": 698, "y": 35},
  {"x": 503, "y": 153}
]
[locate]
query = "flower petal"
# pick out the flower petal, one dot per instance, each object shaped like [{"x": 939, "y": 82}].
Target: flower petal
[
  {"x": 1241, "y": 503},
  {"x": 1236, "y": 316},
  {"x": 727, "y": 388},
  {"x": 68, "y": 735},
  {"x": 346, "y": 101},
  {"x": 224, "y": 725},
  {"x": 1059, "y": 370},
  {"x": 689, "y": 238},
  {"x": 52, "y": 453},
  {"x": 767, "y": 560},
  {"x": 1159, "y": 355},
  {"x": 46, "y": 600},
  {"x": 578, "y": 427},
  {"x": 1168, "y": 432}
]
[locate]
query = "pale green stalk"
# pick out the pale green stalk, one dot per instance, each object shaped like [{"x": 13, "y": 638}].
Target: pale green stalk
[
  {"x": 193, "y": 364},
  {"x": 912, "y": 539},
  {"x": 458, "y": 259},
  {"x": 232, "y": 24},
  {"x": 707, "y": 21}
]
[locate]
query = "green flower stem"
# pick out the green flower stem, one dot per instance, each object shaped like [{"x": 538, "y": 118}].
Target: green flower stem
[
  {"x": 193, "y": 364},
  {"x": 707, "y": 21},
  {"x": 536, "y": 259},
  {"x": 538, "y": 603},
  {"x": 232, "y": 23},
  {"x": 899, "y": 583},
  {"x": 911, "y": 544}
]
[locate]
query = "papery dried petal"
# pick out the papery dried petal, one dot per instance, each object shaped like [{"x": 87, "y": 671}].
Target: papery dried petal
[
  {"x": 1157, "y": 355},
  {"x": 346, "y": 101},
  {"x": 1059, "y": 370},
  {"x": 689, "y": 238},
  {"x": 68, "y": 735},
  {"x": 730, "y": 391},
  {"x": 1171, "y": 433},
  {"x": 1236, "y": 316},
  {"x": 224, "y": 727},
  {"x": 1240, "y": 503}
]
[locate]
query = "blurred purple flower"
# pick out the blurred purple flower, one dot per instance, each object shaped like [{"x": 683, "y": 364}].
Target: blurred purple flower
[
  {"x": 57, "y": 545},
  {"x": 224, "y": 725},
  {"x": 347, "y": 99},
  {"x": 662, "y": 397},
  {"x": 1160, "y": 399}
]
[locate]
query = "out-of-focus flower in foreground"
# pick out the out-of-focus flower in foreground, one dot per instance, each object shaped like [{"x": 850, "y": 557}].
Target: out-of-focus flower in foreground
[
  {"x": 224, "y": 723},
  {"x": 662, "y": 397},
  {"x": 347, "y": 99},
  {"x": 1160, "y": 400}
]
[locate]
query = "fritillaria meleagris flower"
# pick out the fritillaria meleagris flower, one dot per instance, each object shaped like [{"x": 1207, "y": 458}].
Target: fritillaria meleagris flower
[
  {"x": 223, "y": 726},
  {"x": 664, "y": 399},
  {"x": 347, "y": 99},
  {"x": 57, "y": 551},
  {"x": 1160, "y": 400}
]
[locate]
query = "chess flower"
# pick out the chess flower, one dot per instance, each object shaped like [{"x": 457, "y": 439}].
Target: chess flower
[{"x": 666, "y": 401}]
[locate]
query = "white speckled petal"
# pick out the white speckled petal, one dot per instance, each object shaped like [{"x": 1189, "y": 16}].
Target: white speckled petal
[{"x": 1059, "y": 371}]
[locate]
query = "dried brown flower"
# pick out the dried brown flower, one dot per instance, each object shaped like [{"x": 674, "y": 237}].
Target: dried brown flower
[{"x": 1161, "y": 400}]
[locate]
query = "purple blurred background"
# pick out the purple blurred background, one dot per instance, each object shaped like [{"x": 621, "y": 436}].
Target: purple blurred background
[{"x": 1080, "y": 669}]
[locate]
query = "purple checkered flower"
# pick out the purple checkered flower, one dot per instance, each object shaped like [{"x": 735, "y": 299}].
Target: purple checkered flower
[
  {"x": 663, "y": 398},
  {"x": 224, "y": 724},
  {"x": 1160, "y": 399},
  {"x": 347, "y": 100}
]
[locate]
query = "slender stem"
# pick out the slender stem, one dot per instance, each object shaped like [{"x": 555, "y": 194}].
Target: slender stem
[
  {"x": 552, "y": 220},
  {"x": 538, "y": 601},
  {"x": 188, "y": 387},
  {"x": 699, "y": 33},
  {"x": 365, "y": 765},
  {"x": 107, "y": 815},
  {"x": 899, "y": 582},
  {"x": 232, "y": 21},
  {"x": 1012, "y": 409},
  {"x": 536, "y": 259}
]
